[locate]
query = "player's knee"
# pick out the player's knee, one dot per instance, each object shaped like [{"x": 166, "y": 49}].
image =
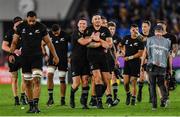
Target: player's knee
[
  {"x": 28, "y": 83},
  {"x": 14, "y": 80},
  {"x": 36, "y": 81},
  {"x": 14, "y": 75}
]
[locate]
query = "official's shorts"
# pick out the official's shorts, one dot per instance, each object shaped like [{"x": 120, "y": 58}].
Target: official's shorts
[
  {"x": 31, "y": 62},
  {"x": 13, "y": 67},
  {"x": 132, "y": 67}
]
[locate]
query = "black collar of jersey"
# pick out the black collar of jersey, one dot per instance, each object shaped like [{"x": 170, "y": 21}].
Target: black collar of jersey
[{"x": 79, "y": 33}]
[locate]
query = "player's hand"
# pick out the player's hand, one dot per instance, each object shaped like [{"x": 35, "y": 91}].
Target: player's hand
[
  {"x": 17, "y": 52},
  {"x": 126, "y": 58},
  {"x": 56, "y": 60},
  {"x": 141, "y": 70},
  {"x": 170, "y": 71},
  {"x": 117, "y": 62},
  {"x": 95, "y": 36},
  {"x": 105, "y": 45},
  {"x": 11, "y": 58}
]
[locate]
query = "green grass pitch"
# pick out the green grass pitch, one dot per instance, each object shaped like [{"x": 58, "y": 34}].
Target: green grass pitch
[{"x": 144, "y": 108}]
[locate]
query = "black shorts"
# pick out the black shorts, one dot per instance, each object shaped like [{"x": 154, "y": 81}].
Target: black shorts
[
  {"x": 132, "y": 67},
  {"x": 98, "y": 61},
  {"x": 80, "y": 67},
  {"x": 62, "y": 65},
  {"x": 31, "y": 62},
  {"x": 13, "y": 67},
  {"x": 111, "y": 63}
]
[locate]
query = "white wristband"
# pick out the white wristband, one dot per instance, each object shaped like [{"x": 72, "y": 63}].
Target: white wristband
[{"x": 130, "y": 57}]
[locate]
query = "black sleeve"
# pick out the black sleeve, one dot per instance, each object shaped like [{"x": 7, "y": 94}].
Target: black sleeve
[
  {"x": 68, "y": 37},
  {"x": 108, "y": 33},
  {"x": 141, "y": 45},
  {"x": 87, "y": 32},
  {"x": 18, "y": 29},
  {"x": 174, "y": 40},
  {"x": 44, "y": 31},
  {"x": 122, "y": 42},
  {"x": 118, "y": 39},
  {"x": 74, "y": 37},
  {"x": 7, "y": 37}
]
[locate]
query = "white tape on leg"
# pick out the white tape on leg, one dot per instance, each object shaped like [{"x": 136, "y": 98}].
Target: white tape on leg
[
  {"x": 50, "y": 69},
  {"x": 37, "y": 73},
  {"x": 27, "y": 76}
]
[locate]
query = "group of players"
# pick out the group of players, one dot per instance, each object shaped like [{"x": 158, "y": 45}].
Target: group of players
[{"x": 94, "y": 56}]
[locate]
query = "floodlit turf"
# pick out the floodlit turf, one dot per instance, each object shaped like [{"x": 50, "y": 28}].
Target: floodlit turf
[{"x": 143, "y": 108}]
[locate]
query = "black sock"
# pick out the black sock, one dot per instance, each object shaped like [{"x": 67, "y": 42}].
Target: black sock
[
  {"x": 93, "y": 97},
  {"x": 31, "y": 103},
  {"x": 104, "y": 87},
  {"x": 84, "y": 95},
  {"x": 108, "y": 97},
  {"x": 62, "y": 98},
  {"x": 134, "y": 98},
  {"x": 36, "y": 101},
  {"x": 128, "y": 94},
  {"x": 50, "y": 92},
  {"x": 99, "y": 91},
  {"x": 115, "y": 90},
  {"x": 16, "y": 98},
  {"x": 22, "y": 95},
  {"x": 141, "y": 86},
  {"x": 73, "y": 91}
]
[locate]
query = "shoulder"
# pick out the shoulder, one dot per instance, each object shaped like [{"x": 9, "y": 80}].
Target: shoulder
[
  {"x": 116, "y": 37},
  {"x": 10, "y": 32},
  {"x": 127, "y": 37},
  {"x": 41, "y": 25},
  {"x": 166, "y": 40},
  {"x": 50, "y": 33},
  {"x": 150, "y": 39},
  {"x": 22, "y": 25},
  {"x": 63, "y": 33},
  {"x": 104, "y": 28},
  {"x": 75, "y": 32}
]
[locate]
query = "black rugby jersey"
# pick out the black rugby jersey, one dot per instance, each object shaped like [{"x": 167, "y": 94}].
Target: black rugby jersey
[
  {"x": 31, "y": 37},
  {"x": 172, "y": 38},
  {"x": 78, "y": 51},
  {"x": 60, "y": 43},
  {"x": 104, "y": 33},
  {"x": 9, "y": 37},
  {"x": 132, "y": 46}
]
